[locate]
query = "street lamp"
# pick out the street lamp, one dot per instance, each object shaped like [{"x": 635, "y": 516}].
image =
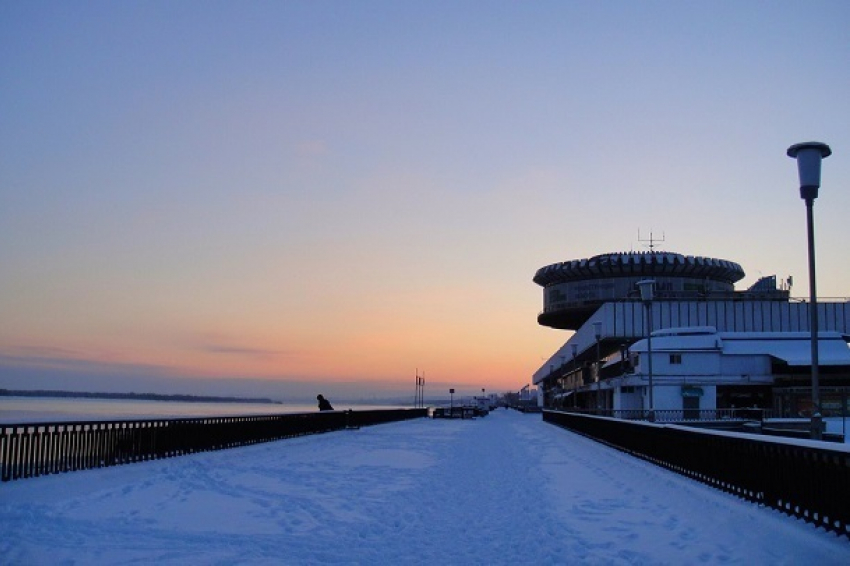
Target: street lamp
[
  {"x": 647, "y": 291},
  {"x": 809, "y": 156},
  {"x": 562, "y": 382},
  {"x": 597, "y": 331},
  {"x": 574, "y": 348},
  {"x": 549, "y": 391}
]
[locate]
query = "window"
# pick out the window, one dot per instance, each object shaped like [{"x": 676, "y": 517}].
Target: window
[{"x": 675, "y": 359}]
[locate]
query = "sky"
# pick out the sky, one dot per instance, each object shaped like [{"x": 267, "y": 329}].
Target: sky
[
  {"x": 263, "y": 197},
  {"x": 506, "y": 489}
]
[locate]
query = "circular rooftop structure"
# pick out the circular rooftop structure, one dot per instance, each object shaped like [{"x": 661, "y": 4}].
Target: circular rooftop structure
[{"x": 574, "y": 289}]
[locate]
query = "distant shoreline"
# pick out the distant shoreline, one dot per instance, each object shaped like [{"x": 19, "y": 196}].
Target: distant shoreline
[{"x": 133, "y": 396}]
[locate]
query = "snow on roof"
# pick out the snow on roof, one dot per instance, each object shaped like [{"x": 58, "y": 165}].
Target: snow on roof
[
  {"x": 795, "y": 352},
  {"x": 686, "y": 331},
  {"x": 792, "y": 347}
]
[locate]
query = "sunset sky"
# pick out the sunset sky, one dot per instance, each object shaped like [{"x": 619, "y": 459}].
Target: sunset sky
[{"x": 290, "y": 197}]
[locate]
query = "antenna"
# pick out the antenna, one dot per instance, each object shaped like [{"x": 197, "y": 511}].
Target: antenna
[{"x": 652, "y": 239}]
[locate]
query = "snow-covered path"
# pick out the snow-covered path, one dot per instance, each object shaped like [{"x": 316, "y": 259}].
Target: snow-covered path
[{"x": 504, "y": 489}]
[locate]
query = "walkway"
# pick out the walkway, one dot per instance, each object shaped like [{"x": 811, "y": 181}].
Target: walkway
[{"x": 506, "y": 489}]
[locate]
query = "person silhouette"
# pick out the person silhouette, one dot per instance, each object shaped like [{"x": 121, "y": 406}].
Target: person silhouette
[{"x": 324, "y": 404}]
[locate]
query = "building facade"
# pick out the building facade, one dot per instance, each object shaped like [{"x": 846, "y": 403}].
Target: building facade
[{"x": 695, "y": 306}]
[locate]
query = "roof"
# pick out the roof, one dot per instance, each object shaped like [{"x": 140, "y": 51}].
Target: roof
[
  {"x": 639, "y": 264},
  {"x": 794, "y": 348}
]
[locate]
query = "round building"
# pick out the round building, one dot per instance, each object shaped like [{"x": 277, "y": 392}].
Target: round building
[{"x": 573, "y": 290}]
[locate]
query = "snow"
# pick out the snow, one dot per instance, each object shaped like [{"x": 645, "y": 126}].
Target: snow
[{"x": 505, "y": 489}]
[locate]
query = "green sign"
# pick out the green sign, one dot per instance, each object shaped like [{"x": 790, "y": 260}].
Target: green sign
[{"x": 691, "y": 391}]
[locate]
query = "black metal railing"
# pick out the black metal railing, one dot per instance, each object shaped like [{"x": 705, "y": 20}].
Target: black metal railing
[
  {"x": 680, "y": 415},
  {"x": 797, "y": 478},
  {"x": 36, "y": 449},
  {"x": 754, "y": 420}
]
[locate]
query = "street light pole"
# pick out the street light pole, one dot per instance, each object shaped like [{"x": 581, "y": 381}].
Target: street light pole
[
  {"x": 647, "y": 288},
  {"x": 809, "y": 156},
  {"x": 562, "y": 381},
  {"x": 574, "y": 348},
  {"x": 597, "y": 331}
]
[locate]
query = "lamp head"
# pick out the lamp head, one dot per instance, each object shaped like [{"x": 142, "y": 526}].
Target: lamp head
[
  {"x": 597, "y": 328},
  {"x": 647, "y": 288},
  {"x": 809, "y": 156}
]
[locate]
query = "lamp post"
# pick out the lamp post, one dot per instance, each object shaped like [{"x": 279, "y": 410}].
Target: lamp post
[
  {"x": 548, "y": 392},
  {"x": 647, "y": 291},
  {"x": 420, "y": 389},
  {"x": 562, "y": 382},
  {"x": 809, "y": 156},
  {"x": 574, "y": 348},
  {"x": 597, "y": 331}
]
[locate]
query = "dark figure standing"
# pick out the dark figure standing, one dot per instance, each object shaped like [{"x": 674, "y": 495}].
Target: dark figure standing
[{"x": 324, "y": 404}]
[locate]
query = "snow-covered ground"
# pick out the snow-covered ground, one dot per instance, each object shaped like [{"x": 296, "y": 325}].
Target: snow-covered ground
[{"x": 506, "y": 489}]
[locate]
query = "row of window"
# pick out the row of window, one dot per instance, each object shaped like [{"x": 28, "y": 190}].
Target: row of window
[{"x": 675, "y": 359}]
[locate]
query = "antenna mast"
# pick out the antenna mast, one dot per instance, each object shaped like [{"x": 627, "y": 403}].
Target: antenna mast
[{"x": 652, "y": 241}]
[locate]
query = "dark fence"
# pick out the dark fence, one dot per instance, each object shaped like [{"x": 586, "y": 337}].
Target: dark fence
[
  {"x": 680, "y": 415},
  {"x": 809, "y": 482},
  {"x": 36, "y": 449}
]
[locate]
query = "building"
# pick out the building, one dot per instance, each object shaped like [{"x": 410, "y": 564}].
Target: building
[
  {"x": 701, "y": 369},
  {"x": 758, "y": 337}
]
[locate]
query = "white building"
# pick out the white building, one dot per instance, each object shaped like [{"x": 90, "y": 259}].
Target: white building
[
  {"x": 736, "y": 346},
  {"x": 699, "y": 368}
]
